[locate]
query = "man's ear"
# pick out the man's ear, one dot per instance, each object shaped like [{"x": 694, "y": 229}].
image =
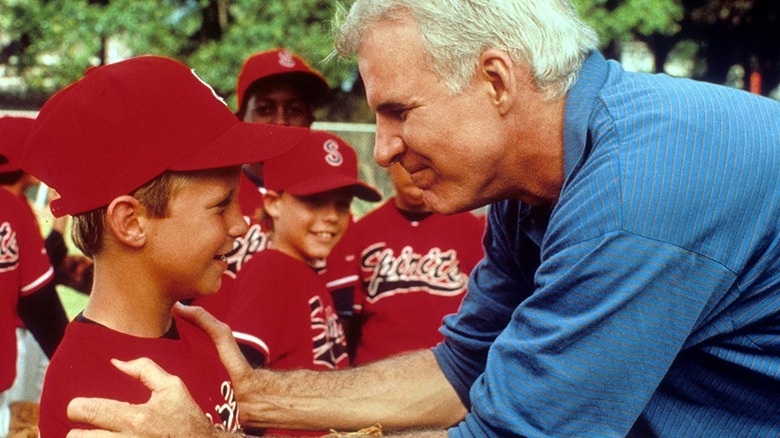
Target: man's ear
[
  {"x": 125, "y": 218},
  {"x": 498, "y": 71}
]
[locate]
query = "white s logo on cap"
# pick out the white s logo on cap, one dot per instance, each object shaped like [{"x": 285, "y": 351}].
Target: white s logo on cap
[
  {"x": 333, "y": 156},
  {"x": 286, "y": 59}
]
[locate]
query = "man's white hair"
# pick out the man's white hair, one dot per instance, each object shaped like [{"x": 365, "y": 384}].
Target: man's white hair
[{"x": 547, "y": 36}]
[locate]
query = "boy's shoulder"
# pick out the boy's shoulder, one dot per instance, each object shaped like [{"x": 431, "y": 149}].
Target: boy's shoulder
[{"x": 82, "y": 367}]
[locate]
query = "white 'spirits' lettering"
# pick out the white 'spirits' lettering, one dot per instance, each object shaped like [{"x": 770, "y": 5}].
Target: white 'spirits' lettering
[
  {"x": 254, "y": 240},
  {"x": 330, "y": 345},
  {"x": 437, "y": 272},
  {"x": 9, "y": 248},
  {"x": 228, "y": 411}
]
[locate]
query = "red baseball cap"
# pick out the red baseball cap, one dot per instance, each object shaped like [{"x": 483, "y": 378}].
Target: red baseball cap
[
  {"x": 123, "y": 124},
  {"x": 13, "y": 134},
  {"x": 322, "y": 162},
  {"x": 280, "y": 61}
]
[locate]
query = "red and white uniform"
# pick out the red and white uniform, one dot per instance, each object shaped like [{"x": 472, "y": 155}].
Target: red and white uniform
[
  {"x": 256, "y": 239},
  {"x": 81, "y": 367},
  {"x": 412, "y": 271},
  {"x": 282, "y": 309},
  {"x": 24, "y": 268}
]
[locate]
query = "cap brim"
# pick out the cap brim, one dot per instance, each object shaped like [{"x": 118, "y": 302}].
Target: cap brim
[
  {"x": 333, "y": 182},
  {"x": 244, "y": 143},
  {"x": 313, "y": 87}
]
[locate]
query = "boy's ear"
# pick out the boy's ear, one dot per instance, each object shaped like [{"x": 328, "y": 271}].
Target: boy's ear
[
  {"x": 498, "y": 71},
  {"x": 125, "y": 219},
  {"x": 271, "y": 203}
]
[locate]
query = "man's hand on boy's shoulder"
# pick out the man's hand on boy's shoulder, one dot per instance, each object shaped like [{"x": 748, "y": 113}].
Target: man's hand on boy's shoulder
[{"x": 170, "y": 408}]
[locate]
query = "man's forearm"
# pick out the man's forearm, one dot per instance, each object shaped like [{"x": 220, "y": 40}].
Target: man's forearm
[{"x": 401, "y": 392}]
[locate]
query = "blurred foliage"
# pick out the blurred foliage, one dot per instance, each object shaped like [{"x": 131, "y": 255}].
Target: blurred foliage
[
  {"x": 619, "y": 20},
  {"x": 714, "y": 35},
  {"x": 50, "y": 43}
]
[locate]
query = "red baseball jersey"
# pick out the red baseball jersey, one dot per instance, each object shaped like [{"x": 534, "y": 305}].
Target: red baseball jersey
[
  {"x": 256, "y": 239},
  {"x": 412, "y": 270},
  {"x": 24, "y": 268},
  {"x": 282, "y": 309},
  {"x": 81, "y": 367}
]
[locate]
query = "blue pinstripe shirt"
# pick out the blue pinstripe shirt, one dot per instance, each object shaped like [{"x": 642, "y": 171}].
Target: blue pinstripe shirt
[{"x": 649, "y": 296}]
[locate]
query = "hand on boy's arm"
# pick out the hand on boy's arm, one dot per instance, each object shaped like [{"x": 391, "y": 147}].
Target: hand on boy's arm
[{"x": 171, "y": 408}]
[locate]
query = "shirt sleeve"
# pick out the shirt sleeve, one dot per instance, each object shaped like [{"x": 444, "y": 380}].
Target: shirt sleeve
[
  {"x": 588, "y": 348},
  {"x": 496, "y": 287}
]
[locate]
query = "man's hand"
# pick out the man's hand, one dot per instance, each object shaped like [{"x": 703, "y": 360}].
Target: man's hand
[{"x": 170, "y": 411}]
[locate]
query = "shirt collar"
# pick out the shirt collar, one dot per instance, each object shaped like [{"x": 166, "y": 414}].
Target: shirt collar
[{"x": 579, "y": 107}]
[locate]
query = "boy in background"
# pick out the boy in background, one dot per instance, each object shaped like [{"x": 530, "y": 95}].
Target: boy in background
[
  {"x": 146, "y": 158},
  {"x": 408, "y": 268},
  {"x": 27, "y": 287},
  {"x": 282, "y": 315},
  {"x": 276, "y": 87}
]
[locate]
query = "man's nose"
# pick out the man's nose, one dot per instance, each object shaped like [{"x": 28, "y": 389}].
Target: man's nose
[{"x": 388, "y": 144}]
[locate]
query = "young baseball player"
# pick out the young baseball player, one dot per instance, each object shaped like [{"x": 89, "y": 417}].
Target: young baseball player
[
  {"x": 276, "y": 87},
  {"x": 146, "y": 159},
  {"x": 410, "y": 267},
  {"x": 27, "y": 289},
  {"x": 282, "y": 314}
]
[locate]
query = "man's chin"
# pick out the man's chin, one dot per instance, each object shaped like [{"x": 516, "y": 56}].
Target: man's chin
[{"x": 444, "y": 204}]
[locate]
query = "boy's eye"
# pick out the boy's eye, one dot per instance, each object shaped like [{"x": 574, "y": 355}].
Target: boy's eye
[
  {"x": 294, "y": 110},
  {"x": 224, "y": 204},
  {"x": 265, "y": 110}
]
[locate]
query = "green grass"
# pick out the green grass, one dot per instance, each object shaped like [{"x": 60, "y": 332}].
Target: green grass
[{"x": 72, "y": 300}]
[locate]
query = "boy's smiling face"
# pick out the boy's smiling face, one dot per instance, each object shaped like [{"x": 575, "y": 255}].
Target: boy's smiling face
[
  {"x": 308, "y": 227},
  {"x": 202, "y": 223}
]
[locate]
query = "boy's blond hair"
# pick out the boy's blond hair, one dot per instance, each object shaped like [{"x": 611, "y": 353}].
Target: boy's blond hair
[{"x": 88, "y": 228}]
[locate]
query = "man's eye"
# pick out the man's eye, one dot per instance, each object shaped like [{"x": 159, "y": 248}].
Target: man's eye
[{"x": 399, "y": 114}]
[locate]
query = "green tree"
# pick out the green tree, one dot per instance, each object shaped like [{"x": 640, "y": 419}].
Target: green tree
[
  {"x": 50, "y": 43},
  {"x": 616, "y": 21},
  {"x": 716, "y": 35}
]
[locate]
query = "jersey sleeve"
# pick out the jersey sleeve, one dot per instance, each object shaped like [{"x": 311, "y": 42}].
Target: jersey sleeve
[
  {"x": 260, "y": 316},
  {"x": 24, "y": 234}
]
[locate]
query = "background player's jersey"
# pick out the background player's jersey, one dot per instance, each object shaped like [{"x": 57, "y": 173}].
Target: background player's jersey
[
  {"x": 81, "y": 367},
  {"x": 24, "y": 268},
  {"x": 282, "y": 309},
  {"x": 411, "y": 271},
  {"x": 282, "y": 312}
]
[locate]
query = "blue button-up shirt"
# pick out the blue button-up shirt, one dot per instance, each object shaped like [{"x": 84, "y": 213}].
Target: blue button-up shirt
[{"x": 649, "y": 296}]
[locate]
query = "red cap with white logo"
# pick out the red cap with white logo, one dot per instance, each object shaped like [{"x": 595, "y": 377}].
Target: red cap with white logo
[
  {"x": 123, "y": 124},
  {"x": 13, "y": 135},
  {"x": 322, "y": 162},
  {"x": 277, "y": 62}
]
